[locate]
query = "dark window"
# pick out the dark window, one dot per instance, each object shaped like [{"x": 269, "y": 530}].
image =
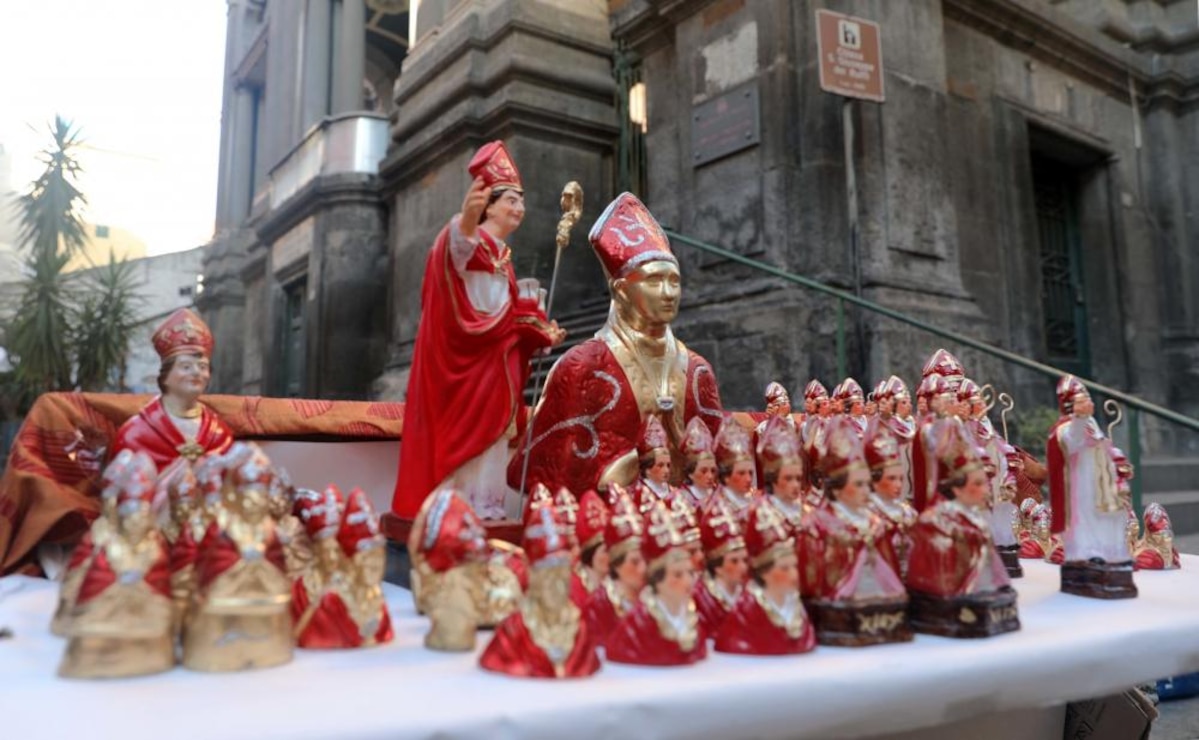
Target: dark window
[
  {"x": 185, "y": 292},
  {"x": 292, "y": 380},
  {"x": 1055, "y": 188}
]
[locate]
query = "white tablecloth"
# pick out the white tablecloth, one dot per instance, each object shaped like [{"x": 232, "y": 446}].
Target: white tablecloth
[{"x": 1069, "y": 648}]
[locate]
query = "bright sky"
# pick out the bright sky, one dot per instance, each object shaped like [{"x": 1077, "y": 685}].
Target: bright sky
[{"x": 142, "y": 80}]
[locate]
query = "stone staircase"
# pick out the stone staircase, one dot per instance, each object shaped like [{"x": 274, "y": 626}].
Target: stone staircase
[
  {"x": 1174, "y": 483},
  {"x": 580, "y": 325}
]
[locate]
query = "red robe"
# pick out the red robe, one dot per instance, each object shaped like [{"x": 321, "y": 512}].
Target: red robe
[
  {"x": 513, "y": 651},
  {"x": 153, "y": 432},
  {"x": 712, "y": 609},
  {"x": 331, "y": 626},
  {"x": 468, "y": 373},
  {"x": 638, "y": 639},
  {"x": 1151, "y": 559},
  {"x": 749, "y": 630},
  {"x": 970, "y": 564},
  {"x": 1055, "y": 461},
  {"x": 100, "y": 575},
  {"x": 578, "y": 590},
  {"x": 836, "y": 557},
  {"x": 589, "y": 418},
  {"x": 601, "y": 614},
  {"x": 218, "y": 553}
]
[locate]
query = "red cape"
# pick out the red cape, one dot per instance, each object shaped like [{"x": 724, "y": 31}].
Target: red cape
[
  {"x": 331, "y": 626},
  {"x": 468, "y": 372},
  {"x": 638, "y": 640},
  {"x": 100, "y": 575},
  {"x": 513, "y": 651},
  {"x": 600, "y": 614},
  {"x": 748, "y": 630},
  {"x": 712, "y": 611},
  {"x": 1055, "y": 461},
  {"x": 153, "y": 432}
]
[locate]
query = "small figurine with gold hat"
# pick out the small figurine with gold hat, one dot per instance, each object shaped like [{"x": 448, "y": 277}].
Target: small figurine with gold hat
[
  {"x": 618, "y": 592},
  {"x": 176, "y": 424},
  {"x": 768, "y": 618},
  {"x": 449, "y": 554},
  {"x": 700, "y": 463},
  {"x": 547, "y": 637},
  {"x": 726, "y": 565},
  {"x": 663, "y": 627},
  {"x": 956, "y": 579},
  {"x": 1156, "y": 551}
]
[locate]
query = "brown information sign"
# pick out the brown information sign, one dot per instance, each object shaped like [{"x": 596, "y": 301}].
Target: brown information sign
[{"x": 851, "y": 56}]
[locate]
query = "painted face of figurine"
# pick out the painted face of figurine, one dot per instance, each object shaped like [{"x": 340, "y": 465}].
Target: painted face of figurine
[
  {"x": 974, "y": 493},
  {"x": 1083, "y": 405},
  {"x": 741, "y": 480},
  {"x": 505, "y": 215},
  {"x": 652, "y": 291},
  {"x": 733, "y": 571},
  {"x": 809, "y": 406},
  {"x": 886, "y": 407},
  {"x": 680, "y": 579},
  {"x": 254, "y": 503},
  {"x": 890, "y": 485},
  {"x": 857, "y": 406},
  {"x": 137, "y": 522},
  {"x": 372, "y": 566},
  {"x": 789, "y": 483},
  {"x": 856, "y": 492},
  {"x": 631, "y": 572},
  {"x": 696, "y": 551},
  {"x": 903, "y": 407},
  {"x": 659, "y": 472},
  {"x": 921, "y": 405},
  {"x": 783, "y": 578},
  {"x": 824, "y": 407},
  {"x": 704, "y": 476},
  {"x": 600, "y": 560},
  {"x": 188, "y": 377},
  {"x": 978, "y": 408}
]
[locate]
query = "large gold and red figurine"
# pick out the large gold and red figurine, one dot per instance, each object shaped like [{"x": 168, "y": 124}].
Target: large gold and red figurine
[
  {"x": 449, "y": 556},
  {"x": 241, "y": 618},
  {"x": 735, "y": 468},
  {"x": 547, "y": 637},
  {"x": 1087, "y": 510},
  {"x": 599, "y": 395},
  {"x": 625, "y": 578},
  {"x": 663, "y": 628},
  {"x": 1156, "y": 550},
  {"x": 768, "y": 618},
  {"x": 121, "y": 622},
  {"x": 956, "y": 579},
  {"x": 726, "y": 565},
  {"x": 589, "y": 531},
  {"x": 653, "y": 459},
  {"x": 176, "y": 424},
  {"x": 699, "y": 463},
  {"x": 473, "y": 346},
  {"x": 782, "y": 467},
  {"x": 850, "y": 577},
  {"x": 887, "y": 483}
]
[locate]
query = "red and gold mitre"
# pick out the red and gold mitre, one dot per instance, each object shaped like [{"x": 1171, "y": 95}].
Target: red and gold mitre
[
  {"x": 182, "y": 333},
  {"x": 814, "y": 391},
  {"x": 538, "y": 496},
  {"x": 969, "y": 391},
  {"x": 943, "y": 363},
  {"x": 662, "y": 538},
  {"x": 1067, "y": 389},
  {"x": 1156, "y": 519},
  {"x": 932, "y": 386},
  {"x": 732, "y": 443},
  {"x": 1123, "y": 465},
  {"x": 494, "y": 165},
  {"x": 627, "y": 236},
  {"x": 891, "y": 388},
  {"x": 686, "y": 518},
  {"x": 135, "y": 485},
  {"x": 882, "y": 448},
  {"x": 842, "y": 449},
  {"x": 778, "y": 401},
  {"x": 847, "y": 391},
  {"x": 778, "y": 445},
  {"x": 448, "y": 533},
  {"x": 766, "y": 537},
  {"x": 247, "y": 466},
  {"x": 592, "y": 519},
  {"x": 567, "y": 507},
  {"x": 319, "y": 511},
  {"x": 624, "y": 531},
  {"x": 697, "y": 441},
  {"x": 545, "y": 541},
  {"x": 359, "y": 525},
  {"x": 719, "y": 531},
  {"x": 653, "y": 437},
  {"x": 957, "y": 451}
]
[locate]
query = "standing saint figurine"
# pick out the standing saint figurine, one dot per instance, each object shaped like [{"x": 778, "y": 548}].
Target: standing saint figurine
[
  {"x": 176, "y": 424},
  {"x": 1086, "y": 504},
  {"x": 476, "y": 336}
]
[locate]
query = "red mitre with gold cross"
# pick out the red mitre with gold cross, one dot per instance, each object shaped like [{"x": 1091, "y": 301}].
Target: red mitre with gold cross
[
  {"x": 182, "y": 333},
  {"x": 627, "y": 236},
  {"x": 494, "y": 164}
]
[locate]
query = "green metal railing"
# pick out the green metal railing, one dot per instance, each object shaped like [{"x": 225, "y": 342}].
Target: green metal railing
[{"x": 1132, "y": 403}]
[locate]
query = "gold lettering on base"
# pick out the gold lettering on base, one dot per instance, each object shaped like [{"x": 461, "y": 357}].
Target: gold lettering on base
[
  {"x": 967, "y": 616},
  {"x": 1000, "y": 614},
  {"x": 881, "y": 622}
]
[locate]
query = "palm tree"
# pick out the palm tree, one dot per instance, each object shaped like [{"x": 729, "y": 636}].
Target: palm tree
[{"x": 108, "y": 315}]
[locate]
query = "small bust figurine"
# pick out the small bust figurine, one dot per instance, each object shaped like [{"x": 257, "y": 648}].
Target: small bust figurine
[
  {"x": 687, "y": 518},
  {"x": 653, "y": 458},
  {"x": 735, "y": 466},
  {"x": 782, "y": 467},
  {"x": 183, "y": 530},
  {"x": 895, "y": 412},
  {"x": 851, "y": 577},
  {"x": 1040, "y": 542},
  {"x": 449, "y": 554},
  {"x": 956, "y": 580},
  {"x": 850, "y": 400},
  {"x": 547, "y": 636},
  {"x": 887, "y": 483},
  {"x": 1156, "y": 551},
  {"x": 241, "y": 618},
  {"x": 625, "y": 578},
  {"x": 122, "y": 620},
  {"x": 506, "y": 576},
  {"x": 726, "y": 565},
  {"x": 768, "y": 618},
  {"x": 589, "y": 530},
  {"x": 663, "y": 627},
  {"x": 700, "y": 463},
  {"x": 567, "y": 508}
]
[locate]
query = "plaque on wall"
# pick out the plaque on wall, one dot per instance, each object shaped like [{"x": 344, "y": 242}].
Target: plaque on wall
[
  {"x": 293, "y": 246},
  {"x": 725, "y": 124}
]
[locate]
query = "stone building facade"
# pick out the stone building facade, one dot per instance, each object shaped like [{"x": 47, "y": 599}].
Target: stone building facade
[{"x": 1030, "y": 181}]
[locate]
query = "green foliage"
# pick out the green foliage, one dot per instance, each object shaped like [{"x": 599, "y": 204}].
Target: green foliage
[
  {"x": 1029, "y": 428},
  {"x": 107, "y": 316}
]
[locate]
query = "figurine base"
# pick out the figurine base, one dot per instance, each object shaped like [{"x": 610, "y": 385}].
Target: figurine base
[
  {"x": 856, "y": 625},
  {"x": 216, "y": 642},
  {"x": 979, "y": 615},
  {"x": 1010, "y": 554},
  {"x": 397, "y": 528},
  {"x": 117, "y": 657},
  {"x": 1098, "y": 580}
]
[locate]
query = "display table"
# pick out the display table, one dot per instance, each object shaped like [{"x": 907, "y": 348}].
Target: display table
[{"x": 1009, "y": 686}]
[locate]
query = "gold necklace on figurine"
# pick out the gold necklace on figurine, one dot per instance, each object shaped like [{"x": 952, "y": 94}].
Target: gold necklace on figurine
[{"x": 659, "y": 380}]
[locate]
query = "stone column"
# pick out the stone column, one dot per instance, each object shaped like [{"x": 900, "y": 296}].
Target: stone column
[
  {"x": 349, "y": 57},
  {"x": 315, "y": 89},
  {"x": 241, "y": 165}
]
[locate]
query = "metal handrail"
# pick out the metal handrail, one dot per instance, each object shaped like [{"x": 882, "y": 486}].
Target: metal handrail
[{"x": 1133, "y": 403}]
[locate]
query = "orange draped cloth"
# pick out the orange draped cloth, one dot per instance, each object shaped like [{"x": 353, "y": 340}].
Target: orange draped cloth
[{"x": 49, "y": 490}]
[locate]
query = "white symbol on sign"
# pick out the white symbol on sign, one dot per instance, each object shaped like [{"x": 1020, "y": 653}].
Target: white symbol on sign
[{"x": 850, "y": 34}]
